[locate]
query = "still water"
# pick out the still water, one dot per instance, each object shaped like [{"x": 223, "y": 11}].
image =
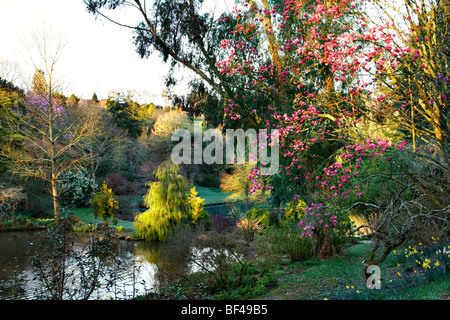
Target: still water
[{"x": 144, "y": 266}]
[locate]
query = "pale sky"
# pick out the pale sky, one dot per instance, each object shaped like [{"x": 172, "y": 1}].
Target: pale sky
[{"x": 100, "y": 56}]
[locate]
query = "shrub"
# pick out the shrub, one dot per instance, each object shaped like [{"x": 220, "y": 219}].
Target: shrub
[
  {"x": 284, "y": 240},
  {"x": 209, "y": 180},
  {"x": 104, "y": 204},
  {"x": 56, "y": 252},
  {"x": 77, "y": 189},
  {"x": 259, "y": 214},
  {"x": 172, "y": 204},
  {"x": 432, "y": 261},
  {"x": 288, "y": 215},
  {"x": 38, "y": 206},
  {"x": 251, "y": 287},
  {"x": 118, "y": 183},
  {"x": 199, "y": 215},
  {"x": 295, "y": 210},
  {"x": 249, "y": 227},
  {"x": 222, "y": 258},
  {"x": 30, "y": 225},
  {"x": 125, "y": 203},
  {"x": 82, "y": 227}
]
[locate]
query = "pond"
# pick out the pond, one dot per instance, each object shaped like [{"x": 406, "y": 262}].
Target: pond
[{"x": 144, "y": 266}]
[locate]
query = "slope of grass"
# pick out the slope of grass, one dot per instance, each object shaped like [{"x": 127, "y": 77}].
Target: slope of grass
[
  {"x": 212, "y": 195},
  {"x": 86, "y": 215},
  {"x": 342, "y": 278}
]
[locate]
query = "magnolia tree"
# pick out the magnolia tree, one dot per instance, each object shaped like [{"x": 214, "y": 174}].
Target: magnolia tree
[{"x": 325, "y": 69}]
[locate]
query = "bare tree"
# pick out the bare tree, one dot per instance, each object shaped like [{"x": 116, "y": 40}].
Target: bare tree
[
  {"x": 10, "y": 198},
  {"x": 52, "y": 139},
  {"x": 398, "y": 221},
  {"x": 10, "y": 71}
]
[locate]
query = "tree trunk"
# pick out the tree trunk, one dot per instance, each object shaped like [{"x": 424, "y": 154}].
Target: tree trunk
[
  {"x": 54, "y": 196},
  {"x": 323, "y": 246},
  {"x": 13, "y": 217}
]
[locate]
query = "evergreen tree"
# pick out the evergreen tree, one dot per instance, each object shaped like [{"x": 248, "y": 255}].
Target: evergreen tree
[
  {"x": 39, "y": 84},
  {"x": 170, "y": 202},
  {"x": 104, "y": 204},
  {"x": 123, "y": 117}
]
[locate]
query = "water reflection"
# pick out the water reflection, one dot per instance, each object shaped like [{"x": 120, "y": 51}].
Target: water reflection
[{"x": 143, "y": 267}]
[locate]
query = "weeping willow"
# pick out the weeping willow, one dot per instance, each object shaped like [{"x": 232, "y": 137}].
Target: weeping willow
[{"x": 168, "y": 204}]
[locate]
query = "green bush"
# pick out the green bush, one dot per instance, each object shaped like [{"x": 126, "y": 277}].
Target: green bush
[
  {"x": 292, "y": 213},
  {"x": 208, "y": 180},
  {"x": 38, "y": 206},
  {"x": 82, "y": 227},
  {"x": 284, "y": 240},
  {"x": 259, "y": 214},
  {"x": 250, "y": 287},
  {"x": 199, "y": 216},
  {"x": 77, "y": 189},
  {"x": 104, "y": 204}
]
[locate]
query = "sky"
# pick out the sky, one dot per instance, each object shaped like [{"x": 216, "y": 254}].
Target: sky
[{"x": 99, "y": 57}]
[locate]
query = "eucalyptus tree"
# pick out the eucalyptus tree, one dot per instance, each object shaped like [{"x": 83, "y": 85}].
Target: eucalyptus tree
[{"x": 184, "y": 32}]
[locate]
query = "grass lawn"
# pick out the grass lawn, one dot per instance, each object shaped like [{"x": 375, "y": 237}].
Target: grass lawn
[
  {"x": 342, "y": 278},
  {"x": 212, "y": 195},
  {"x": 86, "y": 215}
]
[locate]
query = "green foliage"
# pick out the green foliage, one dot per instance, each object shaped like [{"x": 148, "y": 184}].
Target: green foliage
[
  {"x": 222, "y": 258},
  {"x": 202, "y": 102},
  {"x": 295, "y": 210},
  {"x": 259, "y": 214},
  {"x": 77, "y": 189},
  {"x": 208, "y": 180},
  {"x": 170, "y": 202},
  {"x": 10, "y": 96},
  {"x": 38, "y": 206},
  {"x": 250, "y": 287},
  {"x": 287, "y": 239},
  {"x": 166, "y": 201},
  {"x": 123, "y": 117},
  {"x": 82, "y": 227},
  {"x": 104, "y": 204},
  {"x": 199, "y": 216},
  {"x": 292, "y": 212}
]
